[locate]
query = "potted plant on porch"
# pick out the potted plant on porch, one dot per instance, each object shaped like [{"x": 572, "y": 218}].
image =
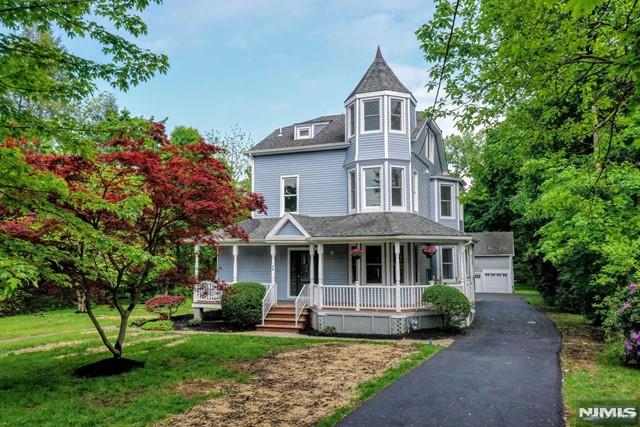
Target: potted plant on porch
[
  {"x": 356, "y": 253},
  {"x": 429, "y": 250}
]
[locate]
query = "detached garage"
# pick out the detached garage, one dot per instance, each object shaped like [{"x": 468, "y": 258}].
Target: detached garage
[{"x": 493, "y": 259}]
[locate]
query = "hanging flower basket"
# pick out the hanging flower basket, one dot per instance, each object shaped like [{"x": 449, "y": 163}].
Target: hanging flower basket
[
  {"x": 429, "y": 250},
  {"x": 356, "y": 253}
]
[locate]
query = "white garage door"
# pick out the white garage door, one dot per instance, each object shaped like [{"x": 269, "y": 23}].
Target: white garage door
[{"x": 495, "y": 281}]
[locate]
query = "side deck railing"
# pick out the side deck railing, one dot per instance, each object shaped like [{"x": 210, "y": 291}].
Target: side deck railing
[{"x": 302, "y": 300}]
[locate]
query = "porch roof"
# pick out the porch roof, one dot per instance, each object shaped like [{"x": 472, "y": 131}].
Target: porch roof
[{"x": 374, "y": 224}]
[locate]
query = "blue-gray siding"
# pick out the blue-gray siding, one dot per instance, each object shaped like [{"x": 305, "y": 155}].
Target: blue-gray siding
[
  {"x": 322, "y": 181},
  {"x": 399, "y": 146},
  {"x": 371, "y": 146},
  {"x": 289, "y": 230}
]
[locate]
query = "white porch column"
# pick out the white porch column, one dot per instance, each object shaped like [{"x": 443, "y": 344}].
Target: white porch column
[
  {"x": 396, "y": 250},
  {"x": 235, "y": 263},
  {"x": 312, "y": 273},
  {"x": 320, "y": 273},
  {"x": 273, "y": 264},
  {"x": 196, "y": 264}
]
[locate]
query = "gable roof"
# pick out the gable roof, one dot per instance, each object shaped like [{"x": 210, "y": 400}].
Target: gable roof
[
  {"x": 493, "y": 243},
  {"x": 379, "y": 77},
  {"x": 331, "y": 135}
]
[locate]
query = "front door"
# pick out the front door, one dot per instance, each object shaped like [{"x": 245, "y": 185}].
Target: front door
[{"x": 299, "y": 271}]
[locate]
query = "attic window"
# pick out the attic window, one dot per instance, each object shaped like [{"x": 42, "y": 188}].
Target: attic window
[{"x": 303, "y": 132}]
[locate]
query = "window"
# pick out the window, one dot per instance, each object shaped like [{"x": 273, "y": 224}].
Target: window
[
  {"x": 397, "y": 184},
  {"x": 352, "y": 190},
  {"x": 289, "y": 189},
  {"x": 371, "y": 115},
  {"x": 414, "y": 196},
  {"x": 393, "y": 262},
  {"x": 303, "y": 132},
  {"x": 447, "y": 263},
  {"x": 373, "y": 257},
  {"x": 446, "y": 201},
  {"x": 372, "y": 193},
  {"x": 431, "y": 145},
  {"x": 352, "y": 119},
  {"x": 396, "y": 113}
]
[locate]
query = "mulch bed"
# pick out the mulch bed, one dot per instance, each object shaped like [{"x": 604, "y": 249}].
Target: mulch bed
[
  {"x": 422, "y": 335},
  {"x": 211, "y": 322},
  {"x": 107, "y": 368}
]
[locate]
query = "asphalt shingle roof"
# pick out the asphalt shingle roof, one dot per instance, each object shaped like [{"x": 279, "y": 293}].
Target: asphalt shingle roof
[
  {"x": 379, "y": 77},
  {"x": 332, "y": 133},
  {"x": 493, "y": 243},
  {"x": 382, "y": 224}
]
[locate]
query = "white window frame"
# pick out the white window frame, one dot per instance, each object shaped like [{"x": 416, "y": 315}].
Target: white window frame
[
  {"x": 351, "y": 120},
  {"x": 282, "y": 209},
  {"x": 454, "y": 265},
  {"x": 300, "y": 128},
  {"x": 430, "y": 146},
  {"x": 363, "y": 264},
  {"x": 415, "y": 195},
  {"x": 402, "y": 207},
  {"x": 352, "y": 180},
  {"x": 380, "y": 115},
  {"x": 453, "y": 200},
  {"x": 402, "y": 115},
  {"x": 363, "y": 192}
]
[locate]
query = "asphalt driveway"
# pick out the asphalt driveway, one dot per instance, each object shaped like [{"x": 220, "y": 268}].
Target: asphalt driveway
[{"x": 505, "y": 371}]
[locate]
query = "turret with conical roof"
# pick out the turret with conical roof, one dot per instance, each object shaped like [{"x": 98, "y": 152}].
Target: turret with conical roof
[{"x": 379, "y": 77}]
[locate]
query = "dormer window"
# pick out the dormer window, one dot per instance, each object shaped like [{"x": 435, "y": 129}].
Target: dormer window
[
  {"x": 371, "y": 115},
  {"x": 396, "y": 114},
  {"x": 303, "y": 132}
]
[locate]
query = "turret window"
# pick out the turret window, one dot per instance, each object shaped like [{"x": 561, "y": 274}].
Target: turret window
[
  {"x": 371, "y": 115},
  {"x": 446, "y": 201},
  {"x": 397, "y": 186},
  {"x": 396, "y": 114},
  {"x": 352, "y": 119},
  {"x": 372, "y": 187}
]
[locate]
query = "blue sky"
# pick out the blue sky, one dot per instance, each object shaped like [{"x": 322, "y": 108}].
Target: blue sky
[{"x": 262, "y": 64}]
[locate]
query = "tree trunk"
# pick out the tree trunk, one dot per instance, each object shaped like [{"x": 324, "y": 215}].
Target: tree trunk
[{"x": 82, "y": 301}]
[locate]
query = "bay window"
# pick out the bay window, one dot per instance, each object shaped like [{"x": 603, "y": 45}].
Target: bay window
[
  {"x": 446, "y": 201},
  {"x": 352, "y": 190},
  {"x": 371, "y": 115},
  {"x": 396, "y": 116},
  {"x": 372, "y": 187},
  {"x": 397, "y": 186}
]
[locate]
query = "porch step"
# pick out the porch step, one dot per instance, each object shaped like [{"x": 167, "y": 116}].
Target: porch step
[
  {"x": 283, "y": 319},
  {"x": 280, "y": 328}
]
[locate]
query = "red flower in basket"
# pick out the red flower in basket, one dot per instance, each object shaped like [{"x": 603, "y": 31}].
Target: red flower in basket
[
  {"x": 356, "y": 253},
  {"x": 429, "y": 250}
]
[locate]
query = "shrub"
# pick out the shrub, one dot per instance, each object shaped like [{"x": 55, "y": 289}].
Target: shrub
[
  {"x": 450, "y": 304},
  {"x": 158, "y": 325},
  {"x": 622, "y": 322},
  {"x": 165, "y": 305},
  {"x": 242, "y": 304},
  {"x": 328, "y": 330},
  {"x": 194, "y": 322}
]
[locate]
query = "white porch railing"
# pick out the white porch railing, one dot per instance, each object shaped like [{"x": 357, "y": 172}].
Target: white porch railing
[
  {"x": 269, "y": 300},
  {"x": 302, "y": 300},
  {"x": 379, "y": 297},
  {"x": 208, "y": 292}
]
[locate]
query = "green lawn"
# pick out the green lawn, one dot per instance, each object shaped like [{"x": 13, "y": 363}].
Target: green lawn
[
  {"x": 591, "y": 368},
  {"x": 39, "y": 352}
]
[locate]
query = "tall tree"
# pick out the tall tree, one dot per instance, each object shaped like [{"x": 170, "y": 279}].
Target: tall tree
[
  {"x": 556, "y": 84},
  {"x": 235, "y": 142}
]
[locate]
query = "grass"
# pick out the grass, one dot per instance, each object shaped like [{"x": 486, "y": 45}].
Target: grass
[
  {"x": 38, "y": 354},
  {"x": 591, "y": 367},
  {"x": 372, "y": 387}
]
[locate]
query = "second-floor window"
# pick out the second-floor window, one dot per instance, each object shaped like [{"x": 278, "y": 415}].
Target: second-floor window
[
  {"x": 446, "y": 201},
  {"x": 371, "y": 115},
  {"x": 352, "y": 119},
  {"x": 416, "y": 192},
  {"x": 289, "y": 194},
  {"x": 372, "y": 187},
  {"x": 397, "y": 185},
  {"x": 395, "y": 114},
  {"x": 352, "y": 190}
]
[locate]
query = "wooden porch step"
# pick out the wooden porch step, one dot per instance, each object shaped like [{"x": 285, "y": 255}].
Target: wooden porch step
[
  {"x": 286, "y": 316},
  {"x": 286, "y": 310},
  {"x": 281, "y": 328}
]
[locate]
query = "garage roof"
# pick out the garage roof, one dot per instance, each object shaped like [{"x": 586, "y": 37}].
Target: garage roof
[{"x": 493, "y": 243}]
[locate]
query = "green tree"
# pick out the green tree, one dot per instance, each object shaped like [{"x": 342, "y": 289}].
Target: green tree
[
  {"x": 182, "y": 135},
  {"x": 554, "y": 84}
]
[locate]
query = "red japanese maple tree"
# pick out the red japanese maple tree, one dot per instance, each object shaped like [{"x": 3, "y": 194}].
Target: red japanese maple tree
[{"x": 125, "y": 209}]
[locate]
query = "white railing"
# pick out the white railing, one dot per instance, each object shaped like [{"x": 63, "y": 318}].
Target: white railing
[
  {"x": 269, "y": 300},
  {"x": 302, "y": 300},
  {"x": 379, "y": 297},
  {"x": 207, "y": 291}
]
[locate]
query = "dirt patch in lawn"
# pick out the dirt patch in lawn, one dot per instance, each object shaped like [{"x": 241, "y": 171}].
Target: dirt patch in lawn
[
  {"x": 295, "y": 388},
  {"x": 581, "y": 346}
]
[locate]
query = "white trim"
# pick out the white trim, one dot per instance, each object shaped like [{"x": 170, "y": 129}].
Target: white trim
[
  {"x": 363, "y": 264},
  {"x": 435, "y": 239},
  {"x": 380, "y": 112},
  {"x": 235, "y": 264},
  {"x": 282, "y": 178},
  {"x": 253, "y": 180},
  {"x": 314, "y": 147},
  {"x": 403, "y": 206},
  {"x": 363, "y": 180},
  {"x": 415, "y": 190},
  {"x": 386, "y": 127},
  {"x": 453, "y": 199},
  {"x": 357, "y": 154},
  {"x": 352, "y": 180},
  {"x": 380, "y": 93},
  {"x": 351, "y": 132},
  {"x": 453, "y": 263},
  {"x": 287, "y": 217},
  {"x": 403, "y": 126},
  {"x": 301, "y": 128}
]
